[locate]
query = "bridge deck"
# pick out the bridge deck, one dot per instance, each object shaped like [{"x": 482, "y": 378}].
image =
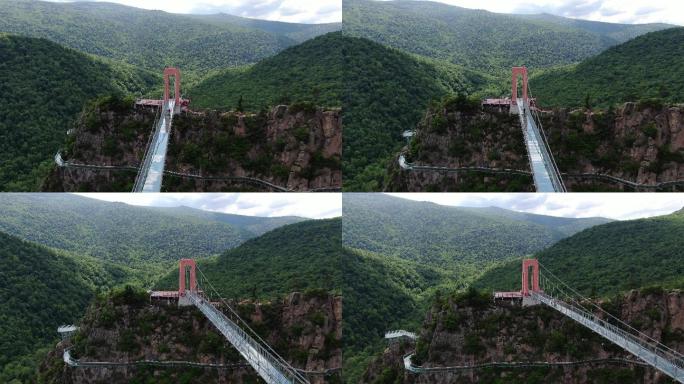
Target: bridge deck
[
  {"x": 540, "y": 160},
  {"x": 269, "y": 367},
  {"x": 668, "y": 362}
]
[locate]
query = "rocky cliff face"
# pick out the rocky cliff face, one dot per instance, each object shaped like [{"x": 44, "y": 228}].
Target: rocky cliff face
[
  {"x": 639, "y": 142},
  {"x": 470, "y": 329},
  {"x": 304, "y": 329},
  {"x": 296, "y": 147}
]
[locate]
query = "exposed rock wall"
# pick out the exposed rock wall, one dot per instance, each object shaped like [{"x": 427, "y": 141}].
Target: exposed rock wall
[
  {"x": 470, "y": 331},
  {"x": 639, "y": 142},
  {"x": 304, "y": 329},
  {"x": 295, "y": 147}
]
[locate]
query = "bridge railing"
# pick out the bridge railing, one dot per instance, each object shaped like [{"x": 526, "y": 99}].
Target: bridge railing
[
  {"x": 661, "y": 357},
  {"x": 270, "y": 366}
]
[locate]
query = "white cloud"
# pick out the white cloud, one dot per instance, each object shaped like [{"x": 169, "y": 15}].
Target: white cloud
[
  {"x": 613, "y": 11},
  {"x": 610, "y": 205},
  {"x": 294, "y": 11},
  {"x": 309, "y": 205}
]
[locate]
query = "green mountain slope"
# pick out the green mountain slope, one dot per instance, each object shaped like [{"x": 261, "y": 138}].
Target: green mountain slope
[
  {"x": 44, "y": 87},
  {"x": 611, "y": 258},
  {"x": 41, "y": 290},
  {"x": 136, "y": 236},
  {"x": 297, "y": 257},
  {"x": 479, "y": 39},
  {"x": 381, "y": 293},
  {"x": 149, "y": 39},
  {"x": 650, "y": 66},
  {"x": 387, "y": 92},
  {"x": 312, "y": 71},
  {"x": 458, "y": 239}
]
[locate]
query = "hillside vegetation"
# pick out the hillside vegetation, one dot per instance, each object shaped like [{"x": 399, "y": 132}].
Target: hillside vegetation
[
  {"x": 44, "y": 87},
  {"x": 152, "y": 238},
  {"x": 386, "y": 93},
  {"x": 152, "y": 39},
  {"x": 482, "y": 40},
  {"x": 298, "y": 257},
  {"x": 312, "y": 71},
  {"x": 650, "y": 66},
  {"x": 41, "y": 290},
  {"x": 609, "y": 259},
  {"x": 454, "y": 238}
]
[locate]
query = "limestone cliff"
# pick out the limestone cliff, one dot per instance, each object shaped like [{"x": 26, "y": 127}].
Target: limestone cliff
[
  {"x": 639, "y": 142},
  {"x": 303, "y": 328},
  {"x": 295, "y": 147},
  {"x": 470, "y": 329}
]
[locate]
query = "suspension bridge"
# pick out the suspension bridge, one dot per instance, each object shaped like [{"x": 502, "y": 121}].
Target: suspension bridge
[
  {"x": 200, "y": 293},
  {"x": 151, "y": 172}
]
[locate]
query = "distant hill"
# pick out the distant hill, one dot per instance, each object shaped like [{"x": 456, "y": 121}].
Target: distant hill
[
  {"x": 44, "y": 87},
  {"x": 482, "y": 40},
  {"x": 609, "y": 259},
  {"x": 152, "y": 39},
  {"x": 298, "y": 257},
  {"x": 650, "y": 66},
  {"x": 312, "y": 71},
  {"x": 41, "y": 290},
  {"x": 455, "y": 238},
  {"x": 130, "y": 235}
]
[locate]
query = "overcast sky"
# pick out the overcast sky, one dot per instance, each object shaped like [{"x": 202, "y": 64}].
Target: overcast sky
[
  {"x": 619, "y": 206},
  {"x": 613, "y": 11},
  {"x": 309, "y": 205},
  {"x": 293, "y": 11}
]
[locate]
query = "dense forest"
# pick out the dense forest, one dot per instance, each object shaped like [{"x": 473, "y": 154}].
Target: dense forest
[
  {"x": 386, "y": 93},
  {"x": 382, "y": 293},
  {"x": 40, "y": 290},
  {"x": 453, "y": 238},
  {"x": 609, "y": 259},
  {"x": 44, "y": 88},
  {"x": 153, "y": 39},
  {"x": 648, "y": 67},
  {"x": 489, "y": 42},
  {"x": 298, "y": 257},
  {"x": 309, "y": 72},
  {"x": 148, "y": 238}
]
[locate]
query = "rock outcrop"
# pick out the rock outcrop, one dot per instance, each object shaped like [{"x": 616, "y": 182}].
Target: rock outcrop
[
  {"x": 303, "y": 328},
  {"x": 295, "y": 147},
  {"x": 470, "y": 329},
  {"x": 639, "y": 142}
]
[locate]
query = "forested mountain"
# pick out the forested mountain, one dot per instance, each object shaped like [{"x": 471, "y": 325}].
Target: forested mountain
[
  {"x": 298, "y": 257},
  {"x": 151, "y": 39},
  {"x": 381, "y": 293},
  {"x": 387, "y": 92},
  {"x": 312, "y": 71},
  {"x": 611, "y": 258},
  {"x": 39, "y": 291},
  {"x": 479, "y": 39},
  {"x": 650, "y": 66},
  {"x": 44, "y": 87},
  {"x": 459, "y": 239},
  {"x": 136, "y": 236}
]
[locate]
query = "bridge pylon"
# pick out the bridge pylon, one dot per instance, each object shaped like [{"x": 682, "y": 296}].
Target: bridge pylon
[
  {"x": 517, "y": 72},
  {"x": 187, "y": 280}
]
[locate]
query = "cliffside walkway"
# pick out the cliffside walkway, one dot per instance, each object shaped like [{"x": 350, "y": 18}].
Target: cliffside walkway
[{"x": 74, "y": 363}]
